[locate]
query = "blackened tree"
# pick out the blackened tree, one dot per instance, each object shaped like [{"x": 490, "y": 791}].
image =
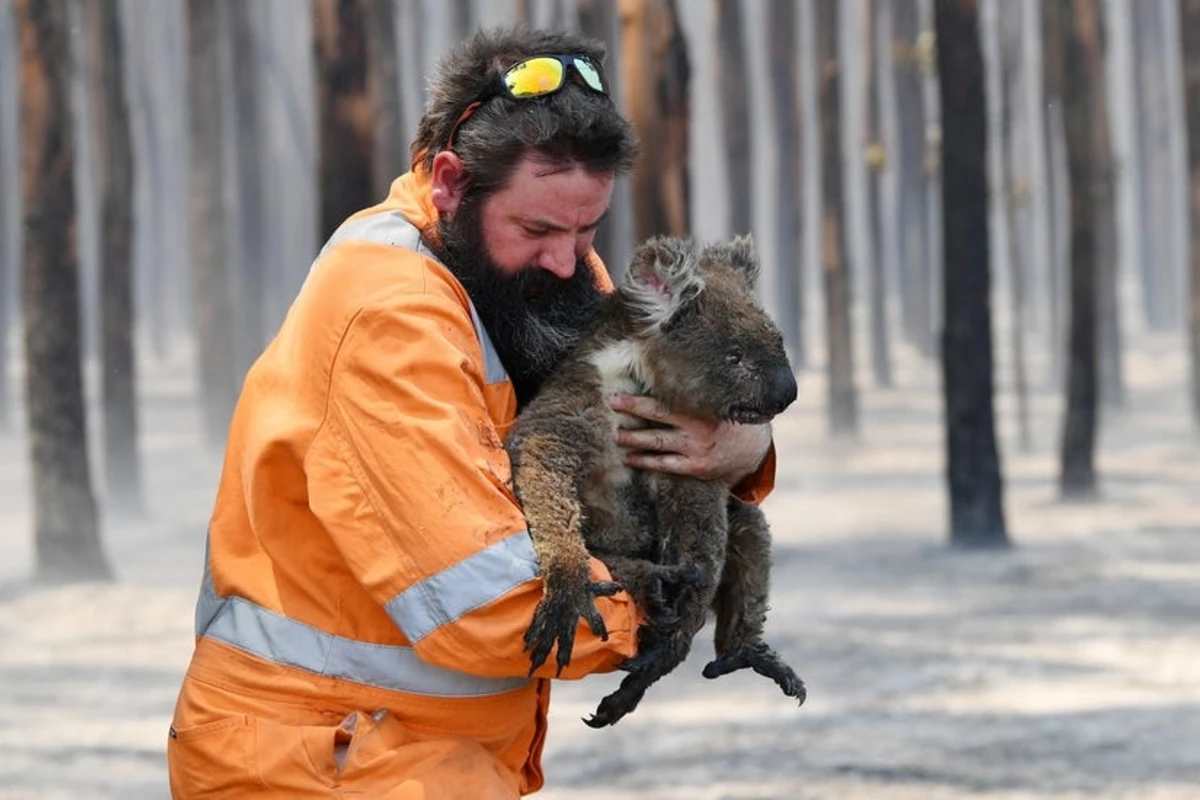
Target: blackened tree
[{"x": 973, "y": 461}]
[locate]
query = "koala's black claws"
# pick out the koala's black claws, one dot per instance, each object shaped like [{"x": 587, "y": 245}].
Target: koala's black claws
[
  {"x": 596, "y": 623},
  {"x": 763, "y": 660}
]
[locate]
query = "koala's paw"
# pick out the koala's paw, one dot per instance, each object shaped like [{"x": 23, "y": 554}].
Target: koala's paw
[
  {"x": 557, "y": 616},
  {"x": 759, "y": 657},
  {"x": 616, "y": 705}
]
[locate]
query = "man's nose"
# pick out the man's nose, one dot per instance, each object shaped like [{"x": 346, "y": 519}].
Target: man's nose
[{"x": 558, "y": 257}]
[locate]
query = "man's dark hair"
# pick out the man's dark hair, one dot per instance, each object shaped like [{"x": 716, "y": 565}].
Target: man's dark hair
[{"x": 572, "y": 125}]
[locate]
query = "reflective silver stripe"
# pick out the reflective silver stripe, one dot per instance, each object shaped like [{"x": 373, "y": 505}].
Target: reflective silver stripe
[
  {"x": 393, "y": 229},
  {"x": 261, "y": 632},
  {"x": 469, "y": 584},
  {"x": 494, "y": 371}
]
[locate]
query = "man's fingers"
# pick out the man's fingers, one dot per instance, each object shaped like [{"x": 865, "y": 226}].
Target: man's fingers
[
  {"x": 659, "y": 440},
  {"x": 642, "y": 406},
  {"x": 670, "y": 462}
]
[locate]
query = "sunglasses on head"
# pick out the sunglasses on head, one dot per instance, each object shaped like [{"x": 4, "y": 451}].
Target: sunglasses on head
[{"x": 536, "y": 76}]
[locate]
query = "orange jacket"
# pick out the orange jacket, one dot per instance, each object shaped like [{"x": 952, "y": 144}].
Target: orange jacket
[{"x": 365, "y": 530}]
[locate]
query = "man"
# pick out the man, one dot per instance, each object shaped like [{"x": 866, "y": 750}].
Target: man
[{"x": 369, "y": 578}]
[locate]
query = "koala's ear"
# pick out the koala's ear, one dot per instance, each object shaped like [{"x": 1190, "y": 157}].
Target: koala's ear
[
  {"x": 663, "y": 278},
  {"x": 741, "y": 255}
]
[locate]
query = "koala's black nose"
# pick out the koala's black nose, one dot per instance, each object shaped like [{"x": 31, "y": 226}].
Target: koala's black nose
[{"x": 781, "y": 388}]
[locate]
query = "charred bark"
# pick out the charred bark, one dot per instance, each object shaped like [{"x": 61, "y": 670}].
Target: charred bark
[
  {"x": 1190, "y": 27},
  {"x": 598, "y": 19},
  {"x": 463, "y": 18},
  {"x": 391, "y": 149},
  {"x": 347, "y": 137},
  {"x": 656, "y": 75},
  {"x": 733, "y": 94},
  {"x": 122, "y": 464},
  {"x": 251, "y": 189},
  {"x": 66, "y": 525},
  {"x": 8, "y": 228},
  {"x": 1017, "y": 194},
  {"x": 213, "y": 312},
  {"x": 1108, "y": 321},
  {"x": 914, "y": 261},
  {"x": 1081, "y": 71},
  {"x": 973, "y": 462},
  {"x": 835, "y": 267},
  {"x": 782, "y": 57},
  {"x": 876, "y": 154},
  {"x": 1052, "y": 94}
]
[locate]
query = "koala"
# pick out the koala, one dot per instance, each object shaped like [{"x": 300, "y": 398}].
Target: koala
[{"x": 684, "y": 328}]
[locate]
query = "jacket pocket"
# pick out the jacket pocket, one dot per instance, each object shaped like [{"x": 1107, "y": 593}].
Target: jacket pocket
[{"x": 213, "y": 759}]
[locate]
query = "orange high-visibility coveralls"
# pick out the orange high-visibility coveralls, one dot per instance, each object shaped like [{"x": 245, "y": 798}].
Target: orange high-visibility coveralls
[{"x": 369, "y": 577}]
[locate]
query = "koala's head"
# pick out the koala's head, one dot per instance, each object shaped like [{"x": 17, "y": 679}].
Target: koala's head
[{"x": 706, "y": 346}]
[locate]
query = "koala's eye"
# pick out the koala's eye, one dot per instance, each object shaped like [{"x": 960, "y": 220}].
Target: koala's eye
[{"x": 734, "y": 357}]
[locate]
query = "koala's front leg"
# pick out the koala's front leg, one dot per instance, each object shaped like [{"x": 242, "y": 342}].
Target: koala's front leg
[
  {"x": 545, "y": 477},
  {"x": 741, "y": 603}
]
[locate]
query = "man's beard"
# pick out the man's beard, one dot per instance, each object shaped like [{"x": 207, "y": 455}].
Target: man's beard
[{"x": 534, "y": 318}]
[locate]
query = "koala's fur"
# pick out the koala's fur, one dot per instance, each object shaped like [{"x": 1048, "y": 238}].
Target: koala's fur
[{"x": 685, "y": 329}]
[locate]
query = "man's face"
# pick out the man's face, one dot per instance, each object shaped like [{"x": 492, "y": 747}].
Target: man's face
[{"x": 520, "y": 254}]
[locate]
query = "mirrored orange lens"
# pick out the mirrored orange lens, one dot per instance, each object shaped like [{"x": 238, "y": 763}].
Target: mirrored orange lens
[{"x": 535, "y": 76}]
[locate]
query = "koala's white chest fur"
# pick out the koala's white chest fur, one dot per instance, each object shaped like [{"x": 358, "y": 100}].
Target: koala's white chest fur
[{"x": 620, "y": 366}]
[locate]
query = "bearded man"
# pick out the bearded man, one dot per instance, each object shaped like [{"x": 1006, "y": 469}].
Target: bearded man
[{"x": 368, "y": 575}]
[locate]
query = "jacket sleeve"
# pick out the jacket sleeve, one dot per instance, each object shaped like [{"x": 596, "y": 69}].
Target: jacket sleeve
[
  {"x": 409, "y": 476},
  {"x": 755, "y": 487}
]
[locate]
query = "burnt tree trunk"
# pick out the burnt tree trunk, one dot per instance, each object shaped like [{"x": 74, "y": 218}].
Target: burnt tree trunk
[
  {"x": 931, "y": 169},
  {"x": 213, "y": 312},
  {"x": 344, "y": 112},
  {"x": 733, "y": 93},
  {"x": 1189, "y": 24},
  {"x": 1052, "y": 94},
  {"x": 8, "y": 228},
  {"x": 656, "y": 75},
  {"x": 1017, "y": 193},
  {"x": 383, "y": 76},
  {"x": 782, "y": 58},
  {"x": 1111, "y": 374},
  {"x": 598, "y": 19},
  {"x": 835, "y": 268},
  {"x": 463, "y": 18},
  {"x": 523, "y": 12},
  {"x": 881, "y": 359},
  {"x": 67, "y": 533},
  {"x": 1082, "y": 72},
  {"x": 251, "y": 195},
  {"x": 1153, "y": 141},
  {"x": 122, "y": 465},
  {"x": 973, "y": 462},
  {"x": 914, "y": 261}
]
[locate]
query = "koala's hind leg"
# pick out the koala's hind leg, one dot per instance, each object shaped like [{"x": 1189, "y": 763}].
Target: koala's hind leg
[
  {"x": 654, "y": 586},
  {"x": 741, "y": 603},
  {"x": 692, "y": 523}
]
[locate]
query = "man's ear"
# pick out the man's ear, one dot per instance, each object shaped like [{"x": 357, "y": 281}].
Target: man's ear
[{"x": 449, "y": 182}]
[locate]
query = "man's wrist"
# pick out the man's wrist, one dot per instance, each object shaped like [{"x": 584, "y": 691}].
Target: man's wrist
[{"x": 737, "y": 482}]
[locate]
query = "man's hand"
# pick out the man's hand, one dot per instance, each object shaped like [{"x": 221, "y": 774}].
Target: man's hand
[{"x": 700, "y": 448}]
